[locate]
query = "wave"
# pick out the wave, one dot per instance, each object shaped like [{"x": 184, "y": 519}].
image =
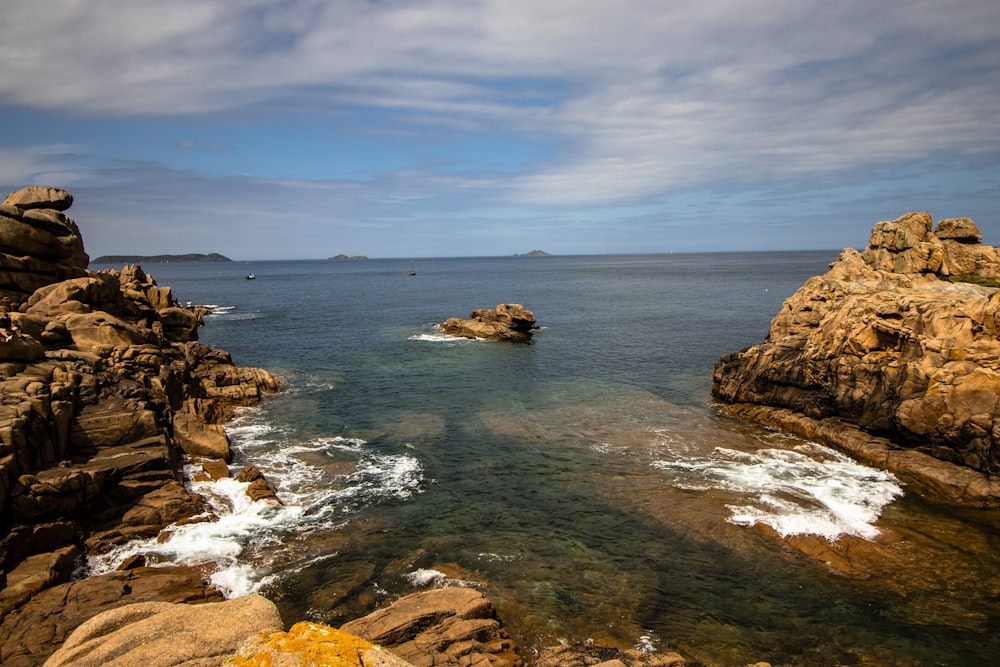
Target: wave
[
  {"x": 808, "y": 489},
  {"x": 322, "y": 483}
]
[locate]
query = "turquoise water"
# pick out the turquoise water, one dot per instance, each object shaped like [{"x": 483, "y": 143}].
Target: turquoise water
[{"x": 582, "y": 480}]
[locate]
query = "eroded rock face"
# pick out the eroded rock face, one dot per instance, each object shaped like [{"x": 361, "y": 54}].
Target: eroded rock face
[
  {"x": 103, "y": 390},
  {"x": 40, "y": 244},
  {"x": 508, "y": 321},
  {"x": 884, "y": 342}
]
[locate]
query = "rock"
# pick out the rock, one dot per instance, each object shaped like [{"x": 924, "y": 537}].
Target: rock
[
  {"x": 885, "y": 344},
  {"x": 216, "y": 469},
  {"x": 508, "y": 321},
  {"x": 260, "y": 488},
  {"x": 592, "y": 655},
  {"x": 37, "y": 196},
  {"x": 962, "y": 230},
  {"x": 445, "y": 626},
  {"x": 101, "y": 381},
  {"x": 198, "y": 438},
  {"x": 164, "y": 634},
  {"x": 37, "y": 629},
  {"x": 308, "y": 644}
]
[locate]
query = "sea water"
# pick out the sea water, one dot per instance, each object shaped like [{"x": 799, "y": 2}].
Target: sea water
[{"x": 584, "y": 480}]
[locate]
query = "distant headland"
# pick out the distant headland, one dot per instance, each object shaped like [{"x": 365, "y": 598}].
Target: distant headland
[
  {"x": 342, "y": 256},
  {"x": 533, "y": 253},
  {"x": 160, "y": 259}
]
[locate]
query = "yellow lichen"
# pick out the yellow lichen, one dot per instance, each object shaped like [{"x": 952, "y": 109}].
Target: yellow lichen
[{"x": 304, "y": 645}]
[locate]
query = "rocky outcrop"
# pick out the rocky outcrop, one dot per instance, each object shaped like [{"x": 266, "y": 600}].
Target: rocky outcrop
[
  {"x": 894, "y": 352},
  {"x": 508, "y": 321},
  {"x": 39, "y": 244},
  {"x": 444, "y": 626},
  {"x": 104, "y": 389},
  {"x": 163, "y": 634}
]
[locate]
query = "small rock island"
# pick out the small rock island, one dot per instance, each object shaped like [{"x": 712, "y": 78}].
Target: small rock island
[
  {"x": 508, "y": 321},
  {"x": 160, "y": 259}
]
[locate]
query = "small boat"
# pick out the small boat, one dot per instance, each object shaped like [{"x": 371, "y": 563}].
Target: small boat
[
  {"x": 412, "y": 271},
  {"x": 251, "y": 277}
]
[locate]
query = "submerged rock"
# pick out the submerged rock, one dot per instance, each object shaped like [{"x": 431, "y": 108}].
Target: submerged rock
[
  {"x": 445, "y": 626},
  {"x": 900, "y": 345}
]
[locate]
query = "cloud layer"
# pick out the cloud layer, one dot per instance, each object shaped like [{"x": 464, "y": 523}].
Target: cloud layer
[{"x": 622, "y": 102}]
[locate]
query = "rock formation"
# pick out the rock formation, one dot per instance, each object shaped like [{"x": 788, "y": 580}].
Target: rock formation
[
  {"x": 508, "y": 321},
  {"x": 892, "y": 355},
  {"x": 162, "y": 634},
  {"x": 104, "y": 388},
  {"x": 443, "y": 626},
  {"x": 39, "y": 244}
]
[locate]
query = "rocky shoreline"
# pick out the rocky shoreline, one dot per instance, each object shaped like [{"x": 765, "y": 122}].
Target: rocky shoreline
[
  {"x": 104, "y": 391},
  {"x": 893, "y": 357}
]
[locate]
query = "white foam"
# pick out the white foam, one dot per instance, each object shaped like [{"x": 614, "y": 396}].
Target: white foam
[
  {"x": 424, "y": 577},
  {"x": 239, "y": 542},
  {"x": 808, "y": 489},
  {"x": 440, "y": 338}
]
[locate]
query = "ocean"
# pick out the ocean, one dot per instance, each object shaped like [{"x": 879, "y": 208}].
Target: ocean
[{"x": 584, "y": 481}]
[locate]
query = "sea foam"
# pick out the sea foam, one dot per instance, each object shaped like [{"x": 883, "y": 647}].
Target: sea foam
[
  {"x": 808, "y": 489},
  {"x": 240, "y": 538}
]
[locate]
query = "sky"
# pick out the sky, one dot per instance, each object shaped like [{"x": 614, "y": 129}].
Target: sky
[{"x": 303, "y": 129}]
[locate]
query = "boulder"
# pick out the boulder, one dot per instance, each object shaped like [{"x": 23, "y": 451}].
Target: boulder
[
  {"x": 164, "y": 634},
  {"x": 884, "y": 342},
  {"x": 444, "y": 626},
  {"x": 308, "y": 644},
  {"x": 508, "y": 321},
  {"x": 40, "y": 245},
  {"x": 38, "y": 196},
  {"x": 38, "y": 628}
]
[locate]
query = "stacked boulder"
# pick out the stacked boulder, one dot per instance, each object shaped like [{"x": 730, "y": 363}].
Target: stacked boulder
[
  {"x": 39, "y": 244},
  {"x": 104, "y": 389},
  {"x": 892, "y": 355}
]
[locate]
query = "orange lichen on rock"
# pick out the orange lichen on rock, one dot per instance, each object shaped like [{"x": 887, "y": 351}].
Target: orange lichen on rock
[{"x": 304, "y": 645}]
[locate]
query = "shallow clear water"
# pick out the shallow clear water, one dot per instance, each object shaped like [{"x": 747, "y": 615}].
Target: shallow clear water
[{"x": 582, "y": 480}]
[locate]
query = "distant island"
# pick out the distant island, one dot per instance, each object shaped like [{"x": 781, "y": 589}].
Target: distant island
[
  {"x": 342, "y": 256},
  {"x": 534, "y": 253},
  {"x": 160, "y": 259}
]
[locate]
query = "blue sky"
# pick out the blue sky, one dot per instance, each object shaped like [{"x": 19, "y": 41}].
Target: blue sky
[{"x": 304, "y": 129}]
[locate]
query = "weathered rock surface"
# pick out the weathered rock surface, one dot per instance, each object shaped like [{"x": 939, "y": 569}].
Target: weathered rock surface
[
  {"x": 164, "y": 634},
  {"x": 311, "y": 644},
  {"x": 104, "y": 389},
  {"x": 508, "y": 321},
  {"x": 30, "y": 634},
  {"x": 888, "y": 348},
  {"x": 40, "y": 245},
  {"x": 445, "y": 626}
]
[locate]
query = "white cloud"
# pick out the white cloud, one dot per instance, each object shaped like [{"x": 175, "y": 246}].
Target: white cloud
[{"x": 647, "y": 96}]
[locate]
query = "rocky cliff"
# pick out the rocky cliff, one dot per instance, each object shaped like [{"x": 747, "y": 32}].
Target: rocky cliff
[
  {"x": 892, "y": 355},
  {"x": 104, "y": 390}
]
